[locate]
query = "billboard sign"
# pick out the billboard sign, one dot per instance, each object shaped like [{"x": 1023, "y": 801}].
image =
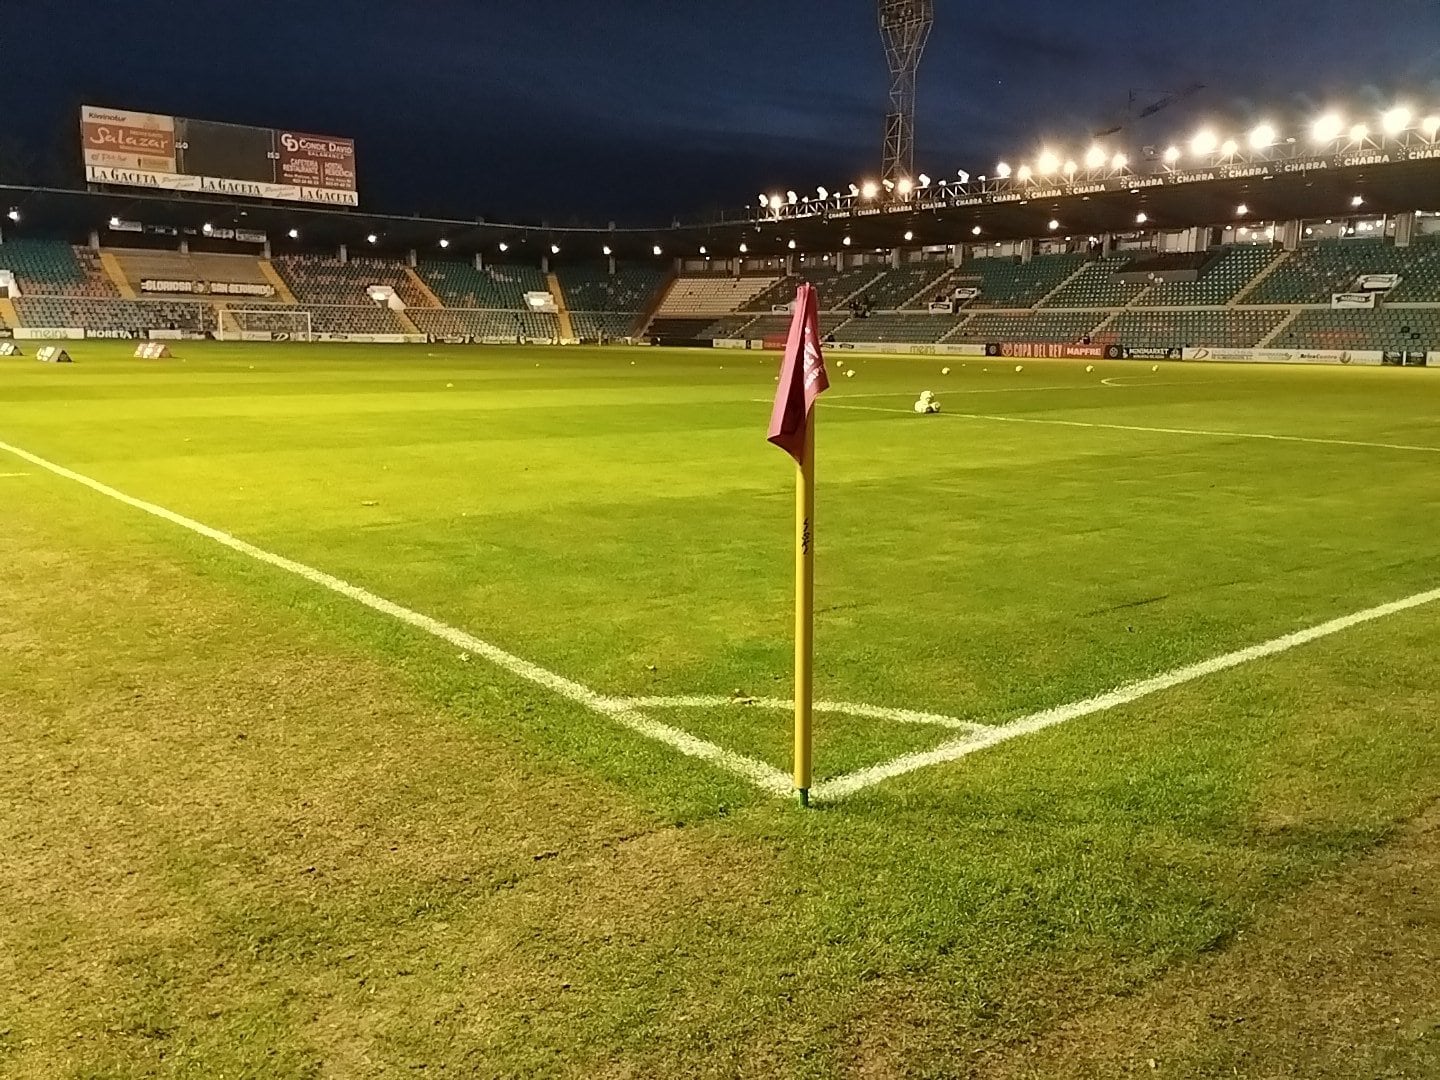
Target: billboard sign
[{"x": 176, "y": 154}]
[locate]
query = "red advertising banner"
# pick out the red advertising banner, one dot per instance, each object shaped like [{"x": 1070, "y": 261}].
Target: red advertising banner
[{"x": 315, "y": 161}]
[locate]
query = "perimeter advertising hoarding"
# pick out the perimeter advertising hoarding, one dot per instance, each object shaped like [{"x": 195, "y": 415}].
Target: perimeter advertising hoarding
[{"x": 172, "y": 153}]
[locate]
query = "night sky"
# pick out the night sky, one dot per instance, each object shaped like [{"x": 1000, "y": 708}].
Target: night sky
[{"x": 590, "y": 110}]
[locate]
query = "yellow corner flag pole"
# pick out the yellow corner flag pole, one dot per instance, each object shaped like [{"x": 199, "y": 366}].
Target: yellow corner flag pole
[{"x": 804, "y": 609}]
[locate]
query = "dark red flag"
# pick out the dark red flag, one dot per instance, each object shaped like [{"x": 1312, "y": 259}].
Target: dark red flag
[{"x": 802, "y": 377}]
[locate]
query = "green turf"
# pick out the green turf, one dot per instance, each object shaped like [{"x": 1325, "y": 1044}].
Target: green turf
[{"x": 616, "y": 516}]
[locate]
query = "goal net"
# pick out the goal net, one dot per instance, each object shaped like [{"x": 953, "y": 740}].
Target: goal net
[{"x": 283, "y": 325}]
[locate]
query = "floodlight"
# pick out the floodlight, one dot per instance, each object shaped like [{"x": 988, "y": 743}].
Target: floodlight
[
  {"x": 444, "y": 243},
  {"x": 889, "y": 185},
  {"x": 871, "y": 189},
  {"x": 1327, "y": 128},
  {"x": 1047, "y": 163},
  {"x": 1229, "y": 148},
  {"x": 1262, "y": 137},
  {"x": 1204, "y": 143},
  {"x": 703, "y": 251},
  {"x": 14, "y": 214},
  {"x": 854, "y": 190},
  {"x": 1358, "y": 200},
  {"x": 822, "y": 194},
  {"x": 791, "y": 198},
  {"x": 846, "y": 241},
  {"x": 1002, "y": 171},
  {"x": 504, "y": 246},
  {"x": 1430, "y": 125},
  {"x": 656, "y": 250},
  {"x": 1141, "y": 218},
  {"x": 924, "y": 180},
  {"x": 764, "y": 200},
  {"x": 372, "y": 238},
  {"x": 606, "y": 249},
  {"x": 1359, "y": 133},
  {"x": 207, "y": 228},
  {"x": 1095, "y": 157},
  {"x": 1172, "y": 155},
  {"x": 792, "y": 245},
  {"x": 776, "y": 202},
  {"x": 904, "y": 186},
  {"x": 965, "y": 176},
  {"x": 1024, "y": 174},
  {"x": 1396, "y": 120},
  {"x": 1118, "y": 162},
  {"x": 1054, "y": 224},
  {"x": 909, "y": 236},
  {"x": 294, "y": 234},
  {"x": 1070, "y": 168},
  {"x": 1242, "y": 210},
  {"x": 554, "y": 249},
  {"x": 743, "y": 248},
  {"x": 975, "y": 231}
]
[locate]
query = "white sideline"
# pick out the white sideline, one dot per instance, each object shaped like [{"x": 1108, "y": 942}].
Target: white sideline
[
  {"x": 839, "y": 708},
  {"x": 766, "y": 777},
  {"x": 842, "y": 786},
  {"x": 1154, "y": 430}
]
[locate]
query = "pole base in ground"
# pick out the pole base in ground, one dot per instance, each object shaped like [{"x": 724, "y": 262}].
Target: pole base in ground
[{"x": 804, "y": 794}]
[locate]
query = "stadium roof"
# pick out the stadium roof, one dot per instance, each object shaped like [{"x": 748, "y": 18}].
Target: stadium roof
[{"x": 1001, "y": 210}]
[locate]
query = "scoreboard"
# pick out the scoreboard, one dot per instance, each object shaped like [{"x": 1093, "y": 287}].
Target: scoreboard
[{"x": 173, "y": 153}]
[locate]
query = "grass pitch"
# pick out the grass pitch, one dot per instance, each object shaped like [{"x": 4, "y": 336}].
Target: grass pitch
[{"x": 252, "y": 828}]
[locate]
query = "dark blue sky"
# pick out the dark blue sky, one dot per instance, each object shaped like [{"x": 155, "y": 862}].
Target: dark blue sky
[{"x": 646, "y": 109}]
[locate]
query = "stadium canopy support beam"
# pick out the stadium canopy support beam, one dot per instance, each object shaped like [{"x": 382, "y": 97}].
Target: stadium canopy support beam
[
  {"x": 1404, "y": 229},
  {"x": 905, "y": 28},
  {"x": 343, "y": 254}
]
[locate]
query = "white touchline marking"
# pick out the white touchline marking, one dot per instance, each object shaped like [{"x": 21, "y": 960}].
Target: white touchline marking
[
  {"x": 9, "y": 475},
  {"x": 839, "y": 708},
  {"x": 765, "y": 777},
  {"x": 850, "y": 783},
  {"x": 1156, "y": 430}
]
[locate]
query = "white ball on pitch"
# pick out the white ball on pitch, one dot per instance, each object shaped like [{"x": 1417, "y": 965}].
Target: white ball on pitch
[
  {"x": 944, "y": 371},
  {"x": 934, "y": 406},
  {"x": 1155, "y": 367},
  {"x": 922, "y": 406},
  {"x": 449, "y": 386},
  {"x": 850, "y": 374},
  {"x": 1019, "y": 367},
  {"x": 1089, "y": 368}
]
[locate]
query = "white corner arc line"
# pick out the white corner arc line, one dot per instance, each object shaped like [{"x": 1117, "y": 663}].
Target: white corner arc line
[
  {"x": 763, "y": 776},
  {"x": 1157, "y": 430},
  {"x": 849, "y": 784},
  {"x": 837, "y": 708}
]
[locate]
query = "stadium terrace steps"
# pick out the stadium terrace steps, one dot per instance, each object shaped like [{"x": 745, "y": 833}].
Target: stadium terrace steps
[
  {"x": 898, "y": 327},
  {"x": 418, "y": 284},
  {"x": 8, "y": 317},
  {"x": 1230, "y": 272},
  {"x": 1172, "y": 327},
  {"x": 332, "y": 282},
  {"x": 1382, "y": 328},
  {"x": 562, "y": 313},
  {"x": 508, "y": 324},
  {"x": 116, "y": 275},
  {"x": 1283, "y": 326},
  {"x": 1095, "y": 286},
  {"x": 496, "y": 287},
  {"x": 603, "y": 325},
  {"x": 114, "y": 314},
  {"x": 324, "y": 319},
  {"x": 54, "y": 268},
  {"x": 983, "y": 327},
  {"x": 271, "y": 275}
]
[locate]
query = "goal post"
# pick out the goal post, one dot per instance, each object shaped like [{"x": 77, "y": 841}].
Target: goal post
[{"x": 286, "y": 325}]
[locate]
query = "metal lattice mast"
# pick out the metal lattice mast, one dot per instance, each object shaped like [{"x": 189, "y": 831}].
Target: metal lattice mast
[{"x": 905, "y": 28}]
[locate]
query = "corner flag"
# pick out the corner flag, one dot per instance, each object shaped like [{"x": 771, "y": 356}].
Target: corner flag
[{"x": 792, "y": 428}]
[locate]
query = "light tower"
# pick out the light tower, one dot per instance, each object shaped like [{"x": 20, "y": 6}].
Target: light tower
[{"x": 905, "y": 28}]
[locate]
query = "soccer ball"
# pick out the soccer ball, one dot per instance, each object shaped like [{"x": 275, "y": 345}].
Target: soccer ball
[
  {"x": 944, "y": 371},
  {"x": 1155, "y": 368},
  {"x": 850, "y": 374},
  {"x": 1019, "y": 367},
  {"x": 1089, "y": 368}
]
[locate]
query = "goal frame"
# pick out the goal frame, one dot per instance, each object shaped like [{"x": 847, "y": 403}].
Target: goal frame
[{"x": 308, "y": 316}]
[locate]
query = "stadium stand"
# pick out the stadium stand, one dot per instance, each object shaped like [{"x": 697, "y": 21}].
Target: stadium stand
[
  {"x": 121, "y": 316},
  {"x": 1096, "y": 286},
  {"x": 1384, "y": 328},
  {"x": 1316, "y": 271},
  {"x": 54, "y": 268},
  {"x": 909, "y": 288},
  {"x": 1062, "y": 326},
  {"x": 331, "y": 282},
  {"x": 1005, "y": 283},
  {"x": 1238, "y": 328},
  {"x": 779, "y": 324},
  {"x": 888, "y": 327},
  {"x": 712, "y": 296},
  {"x": 594, "y": 288},
  {"x": 1221, "y": 279},
  {"x": 508, "y": 325},
  {"x": 139, "y": 266},
  {"x": 460, "y": 285},
  {"x": 609, "y": 325},
  {"x": 732, "y": 326}
]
